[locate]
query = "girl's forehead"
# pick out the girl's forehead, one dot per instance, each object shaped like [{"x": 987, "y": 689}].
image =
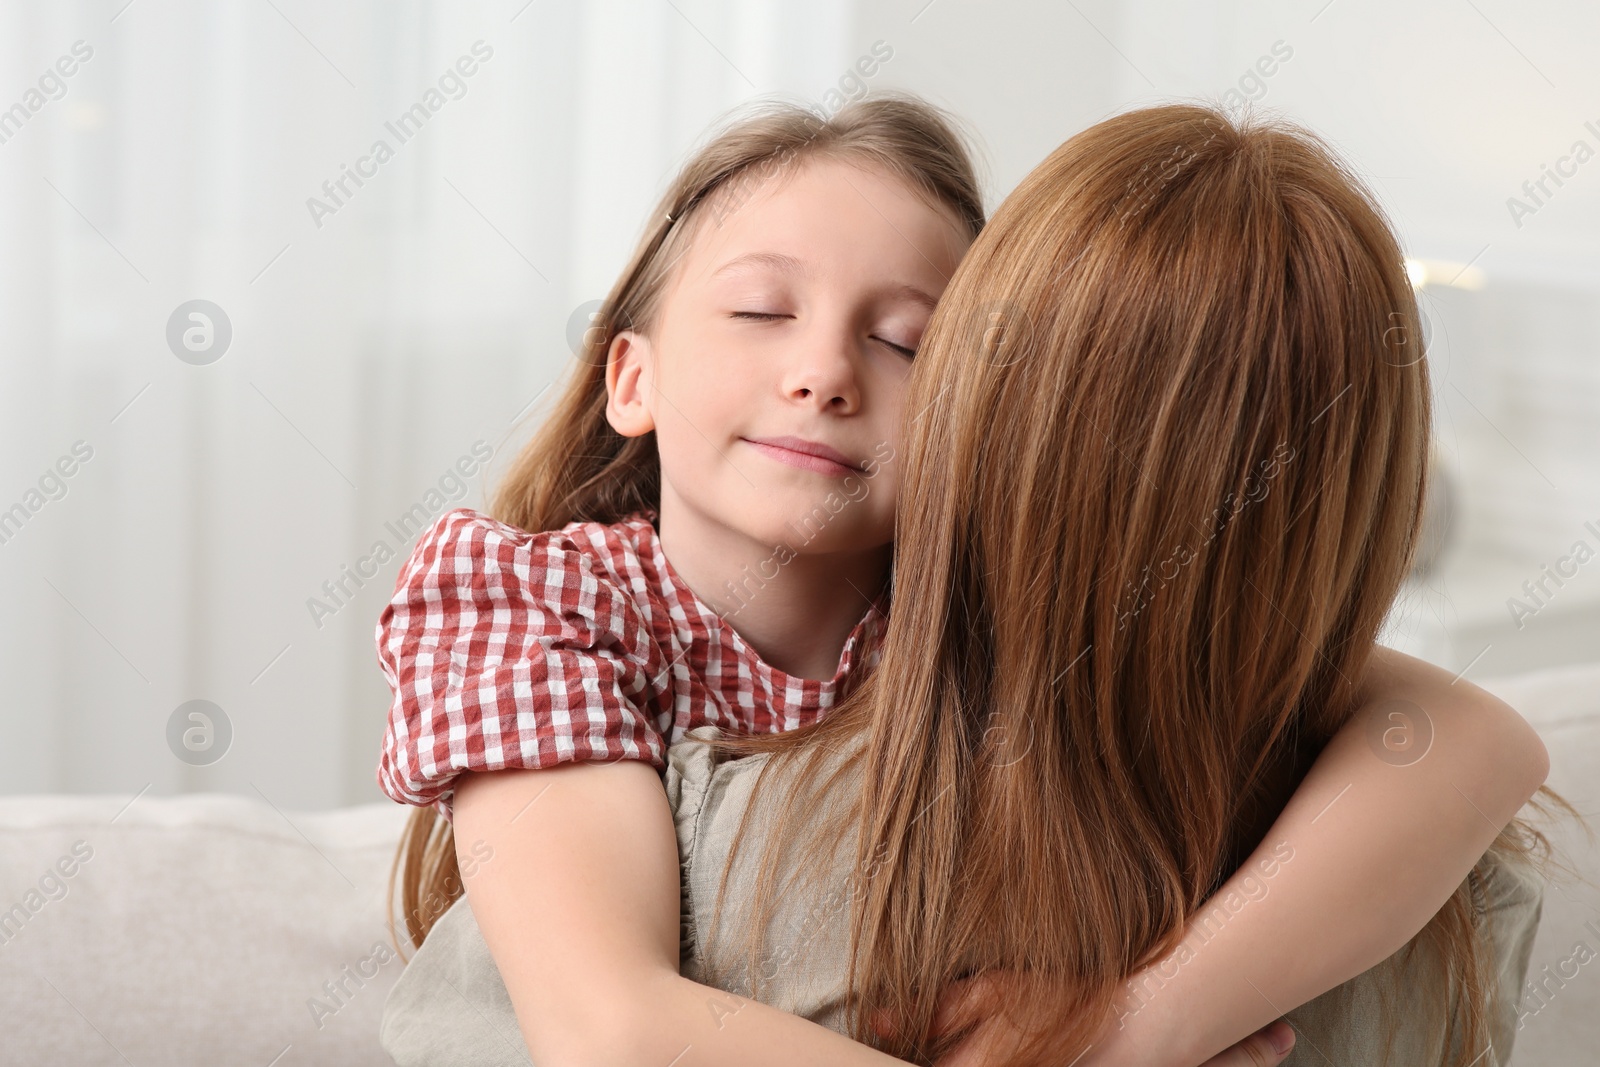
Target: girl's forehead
[{"x": 824, "y": 213}]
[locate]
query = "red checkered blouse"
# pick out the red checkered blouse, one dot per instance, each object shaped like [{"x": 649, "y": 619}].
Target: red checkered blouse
[{"x": 508, "y": 649}]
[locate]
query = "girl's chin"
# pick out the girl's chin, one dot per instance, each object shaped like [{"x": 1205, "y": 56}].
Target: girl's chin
[{"x": 824, "y": 525}]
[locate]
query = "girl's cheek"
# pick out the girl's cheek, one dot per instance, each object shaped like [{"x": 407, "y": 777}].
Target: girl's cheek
[
  {"x": 883, "y": 454},
  {"x": 892, "y": 380}
]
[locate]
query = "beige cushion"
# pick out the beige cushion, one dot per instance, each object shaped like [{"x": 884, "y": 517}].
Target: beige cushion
[{"x": 192, "y": 930}]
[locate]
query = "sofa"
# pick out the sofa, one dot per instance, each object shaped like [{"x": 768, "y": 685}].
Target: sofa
[{"x": 215, "y": 929}]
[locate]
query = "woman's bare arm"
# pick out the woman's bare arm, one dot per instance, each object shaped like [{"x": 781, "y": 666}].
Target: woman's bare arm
[{"x": 1378, "y": 846}]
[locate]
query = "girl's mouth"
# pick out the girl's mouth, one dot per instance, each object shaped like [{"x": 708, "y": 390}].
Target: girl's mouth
[{"x": 806, "y": 455}]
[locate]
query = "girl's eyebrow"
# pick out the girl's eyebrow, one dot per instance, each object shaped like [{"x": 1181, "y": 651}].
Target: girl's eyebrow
[
  {"x": 772, "y": 260},
  {"x": 789, "y": 265},
  {"x": 915, "y": 295}
]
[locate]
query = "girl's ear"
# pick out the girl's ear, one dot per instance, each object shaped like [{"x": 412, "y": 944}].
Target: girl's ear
[{"x": 630, "y": 374}]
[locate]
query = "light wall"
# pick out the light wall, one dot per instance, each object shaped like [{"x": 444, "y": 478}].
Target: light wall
[{"x": 375, "y": 346}]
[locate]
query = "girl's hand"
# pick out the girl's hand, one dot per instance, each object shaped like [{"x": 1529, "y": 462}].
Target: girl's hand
[{"x": 996, "y": 1038}]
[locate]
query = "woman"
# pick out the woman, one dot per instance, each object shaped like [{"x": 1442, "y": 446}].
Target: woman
[{"x": 1182, "y": 485}]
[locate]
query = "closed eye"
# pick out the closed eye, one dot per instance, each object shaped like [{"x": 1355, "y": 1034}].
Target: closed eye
[
  {"x": 909, "y": 353},
  {"x": 758, "y": 316}
]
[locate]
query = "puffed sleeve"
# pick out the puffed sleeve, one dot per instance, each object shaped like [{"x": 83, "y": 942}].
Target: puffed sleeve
[{"x": 506, "y": 649}]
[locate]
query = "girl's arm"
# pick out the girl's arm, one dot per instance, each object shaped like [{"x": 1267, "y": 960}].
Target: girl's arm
[
  {"x": 1375, "y": 848},
  {"x": 579, "y": 906}
]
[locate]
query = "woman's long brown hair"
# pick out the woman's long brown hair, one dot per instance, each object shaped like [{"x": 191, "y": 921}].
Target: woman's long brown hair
[
  {"x": 1163, "y": 471},
  {"x": 576, "y": 468}
]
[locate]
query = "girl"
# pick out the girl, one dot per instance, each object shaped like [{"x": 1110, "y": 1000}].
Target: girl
[{"x": 599, "y": 619}]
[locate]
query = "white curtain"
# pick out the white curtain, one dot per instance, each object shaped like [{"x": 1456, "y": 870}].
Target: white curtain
[
  {"x": 380, "y": 335},
  {"x": 214, "y": 539}
]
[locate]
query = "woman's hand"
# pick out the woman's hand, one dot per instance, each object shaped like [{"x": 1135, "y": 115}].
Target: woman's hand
[{"x": 997, "y": 1037}]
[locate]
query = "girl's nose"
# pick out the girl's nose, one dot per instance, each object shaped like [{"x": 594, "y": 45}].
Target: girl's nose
[{"x": 823, "y": 376}]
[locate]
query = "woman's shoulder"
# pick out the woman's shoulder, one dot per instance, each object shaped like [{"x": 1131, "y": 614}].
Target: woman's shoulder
[{"x": 713, "y": 787}]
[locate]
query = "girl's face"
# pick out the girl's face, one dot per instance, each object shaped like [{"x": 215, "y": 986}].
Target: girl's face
[{"x": 774, "y": 376}]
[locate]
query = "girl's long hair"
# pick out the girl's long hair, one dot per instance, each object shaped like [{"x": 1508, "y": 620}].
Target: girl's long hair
[
  {"x": 1164, "y": 463},
  {"x": 577, "y": 468}
]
